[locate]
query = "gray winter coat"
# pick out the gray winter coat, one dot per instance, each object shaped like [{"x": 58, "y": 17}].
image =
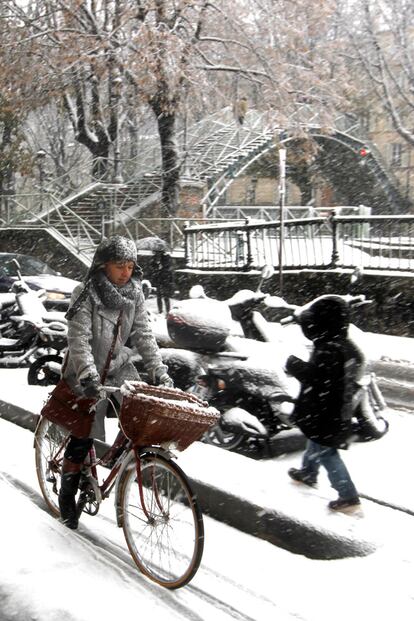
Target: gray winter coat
[{"x": 90, "y": 334}]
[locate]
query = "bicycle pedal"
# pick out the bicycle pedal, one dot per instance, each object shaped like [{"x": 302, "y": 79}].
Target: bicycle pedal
[{"x": 50, "y": 477}]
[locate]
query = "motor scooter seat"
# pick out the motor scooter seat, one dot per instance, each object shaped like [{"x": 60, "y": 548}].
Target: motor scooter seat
[
  {"x": 7, "y": 299},
  {"x": 54, "y": 316},
  {"x": 5, "y": 342}
]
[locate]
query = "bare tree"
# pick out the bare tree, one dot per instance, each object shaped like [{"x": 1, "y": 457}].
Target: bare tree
[
  {"x": 383, "y": 54},
  {"x": 13, "y": 109},
  {"x": 101, "y": 57},
  {"x": 48, "y": 132}
]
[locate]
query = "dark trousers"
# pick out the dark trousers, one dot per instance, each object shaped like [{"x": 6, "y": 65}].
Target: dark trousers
[
  {"x": 77, "y": 449},
  {"x": 160, "y": 298}
]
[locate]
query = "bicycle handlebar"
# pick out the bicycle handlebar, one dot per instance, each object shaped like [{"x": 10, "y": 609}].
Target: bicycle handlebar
[{"x": 105, "y": 391}]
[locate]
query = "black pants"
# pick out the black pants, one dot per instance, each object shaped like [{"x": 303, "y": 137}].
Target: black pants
[
  {"x": 77, "y": 449},
  {"x": 160, "y": 298}
]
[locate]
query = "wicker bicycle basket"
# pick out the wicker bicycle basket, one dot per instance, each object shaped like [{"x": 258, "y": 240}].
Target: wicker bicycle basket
[{"x": 153, "y": 415}]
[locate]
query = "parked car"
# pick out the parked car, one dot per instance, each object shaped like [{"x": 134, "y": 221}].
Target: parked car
[{"x": 38, "y": 275}]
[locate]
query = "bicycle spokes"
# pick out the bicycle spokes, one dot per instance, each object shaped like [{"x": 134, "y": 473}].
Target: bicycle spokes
[
  {"x": 87, "y": 498},
  {"x": 162, "y": 521},
  {"x": 150, "y": 491},
  {"x": 50, "y": 442}
]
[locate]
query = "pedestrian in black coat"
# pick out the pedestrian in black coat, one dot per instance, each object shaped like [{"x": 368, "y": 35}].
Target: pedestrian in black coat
[
  {"x": 328, "y": 380},
  {"x": 162, "y": 276}
]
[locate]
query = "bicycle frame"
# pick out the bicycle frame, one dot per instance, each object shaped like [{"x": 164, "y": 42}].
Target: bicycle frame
[
  {"x": 135, "y": 456},
  {"x": 127, "y": 456},
  {"x": 155, "y": 504}
]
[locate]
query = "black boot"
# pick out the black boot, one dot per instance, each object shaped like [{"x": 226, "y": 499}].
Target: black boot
[
  {"x": 69, "y": 484},
  {"x": 302, "y": 476}
]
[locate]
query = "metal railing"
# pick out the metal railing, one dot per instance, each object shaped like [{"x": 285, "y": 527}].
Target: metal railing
[
  {"x": 81, "y": 234},
  {"x": 272, "y": 212},
  {"x": 366, "y": 242}
]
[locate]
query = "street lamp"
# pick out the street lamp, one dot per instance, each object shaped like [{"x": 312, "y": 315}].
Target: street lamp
[
  {"x": 117, "y": 84},
  {"x": 282, "y": 195},
  {"x": 40, "y": 158}
]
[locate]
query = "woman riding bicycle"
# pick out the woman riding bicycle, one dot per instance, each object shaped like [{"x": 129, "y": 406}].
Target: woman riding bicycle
[{"x": 110, "y": 299}]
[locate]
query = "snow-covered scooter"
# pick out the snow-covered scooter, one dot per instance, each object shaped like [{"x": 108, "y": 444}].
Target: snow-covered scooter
[
  {"x": 222, "y": 351},
  {"x": 31, "y": 329}
]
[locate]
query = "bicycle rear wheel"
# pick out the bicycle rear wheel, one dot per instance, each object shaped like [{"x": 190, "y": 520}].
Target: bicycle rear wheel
[
  {"x": 49, "y": 440},
  {"x": 162, "y": 521}
]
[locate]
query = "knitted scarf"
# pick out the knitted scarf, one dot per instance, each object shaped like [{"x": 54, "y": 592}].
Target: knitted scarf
[
  {"x": 110, "y": 295},
  {"x": 114, "y": 297}
]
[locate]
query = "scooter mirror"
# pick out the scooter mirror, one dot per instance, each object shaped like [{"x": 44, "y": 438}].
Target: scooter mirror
[
  {"x": 16, "y": 267},
  {"x": 197, "y": 293},
  {"x": 267, "y": 272}
]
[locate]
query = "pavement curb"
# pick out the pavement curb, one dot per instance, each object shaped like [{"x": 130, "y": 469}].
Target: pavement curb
[
  {"x": 281, "y": 529},
  {"x": 396, "y": 381},
  {"x": 18, "y": 416}
]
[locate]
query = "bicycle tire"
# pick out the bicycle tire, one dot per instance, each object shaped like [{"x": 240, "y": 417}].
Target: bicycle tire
[
  {"x": 39, "y": 373},
  {"x": 167, "y": 543},
  {"x": 48, "y": 438},
  {"x": 227, "y": 440}
]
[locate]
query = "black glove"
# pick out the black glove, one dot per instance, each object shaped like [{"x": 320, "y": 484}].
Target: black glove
[
  {"x": 91, "y": 386},
  {"x": 159, "y": 377},
  {"x": 165, "y": 380}
]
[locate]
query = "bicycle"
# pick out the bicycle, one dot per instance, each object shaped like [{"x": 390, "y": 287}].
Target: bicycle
[{"x": 154, "y": 501}]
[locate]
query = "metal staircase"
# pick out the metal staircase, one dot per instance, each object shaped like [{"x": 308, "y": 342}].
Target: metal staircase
[{"x": 215, "y": 151}]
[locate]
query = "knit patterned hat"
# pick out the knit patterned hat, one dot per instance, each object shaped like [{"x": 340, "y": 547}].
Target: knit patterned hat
[{"x": 116, "y": 248}]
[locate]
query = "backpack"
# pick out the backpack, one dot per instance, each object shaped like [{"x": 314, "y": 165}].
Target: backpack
[{"x": 369, "y": 421}]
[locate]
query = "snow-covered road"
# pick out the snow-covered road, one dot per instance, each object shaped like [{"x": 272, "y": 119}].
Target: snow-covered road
[{"x": 48, "y": 573}]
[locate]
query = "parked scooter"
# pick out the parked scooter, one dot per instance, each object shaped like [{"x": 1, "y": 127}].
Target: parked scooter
[
  {"x": 8, "y": 307},
  {"x": 221, "y": 353},
  {"x": 33, "y": 330},
  {"x": 245, "y": 378},
  {"x": 263, "y": 395},
  {"x": 256, "y": 401}
]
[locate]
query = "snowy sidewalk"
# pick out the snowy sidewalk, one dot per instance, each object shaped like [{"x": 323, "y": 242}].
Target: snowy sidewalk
[{"x": 258, "y": 497}]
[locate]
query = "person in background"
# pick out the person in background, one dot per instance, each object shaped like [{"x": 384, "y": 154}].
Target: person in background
[
  {"x": 111, "y": 297},
  {"x": 162, "y": 276},
  {"x": 324, "y": 410}
]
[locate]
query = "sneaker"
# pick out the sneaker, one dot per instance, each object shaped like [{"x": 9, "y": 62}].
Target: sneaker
[
  {"x": 301, "y": 476},
  {"x": 341, "y": 504}
]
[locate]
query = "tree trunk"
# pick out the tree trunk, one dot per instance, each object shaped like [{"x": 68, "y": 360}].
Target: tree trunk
[
  {"x": 7, "y": 162},
  {"x": 306, "y": 191},
  {"x": 100, "y": 153},
  {"x": 170, "y": 163}
]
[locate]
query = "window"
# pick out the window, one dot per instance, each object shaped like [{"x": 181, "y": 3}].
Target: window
[
  {"x": 364, "y": 121},
  {"x": 396, "y": 154}
]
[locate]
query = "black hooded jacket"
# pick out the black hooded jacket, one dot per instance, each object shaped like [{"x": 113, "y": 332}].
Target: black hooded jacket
[{"x": 323, "y": 410}]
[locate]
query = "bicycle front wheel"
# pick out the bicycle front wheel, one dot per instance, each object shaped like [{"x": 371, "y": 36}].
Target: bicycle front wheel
[
  {"x": 162, "y": 521},
  {"x": 49, "y": 443}
]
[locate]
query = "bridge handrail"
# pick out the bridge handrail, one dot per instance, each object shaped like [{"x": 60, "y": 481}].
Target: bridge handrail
[
  {"x": 242, "y": 224},
  {"x": 374, "y": 242},
  {"x": 293, "y": 221}
]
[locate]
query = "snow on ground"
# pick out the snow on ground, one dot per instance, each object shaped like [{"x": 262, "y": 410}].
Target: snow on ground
[{"x": 48, "y": 573}]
